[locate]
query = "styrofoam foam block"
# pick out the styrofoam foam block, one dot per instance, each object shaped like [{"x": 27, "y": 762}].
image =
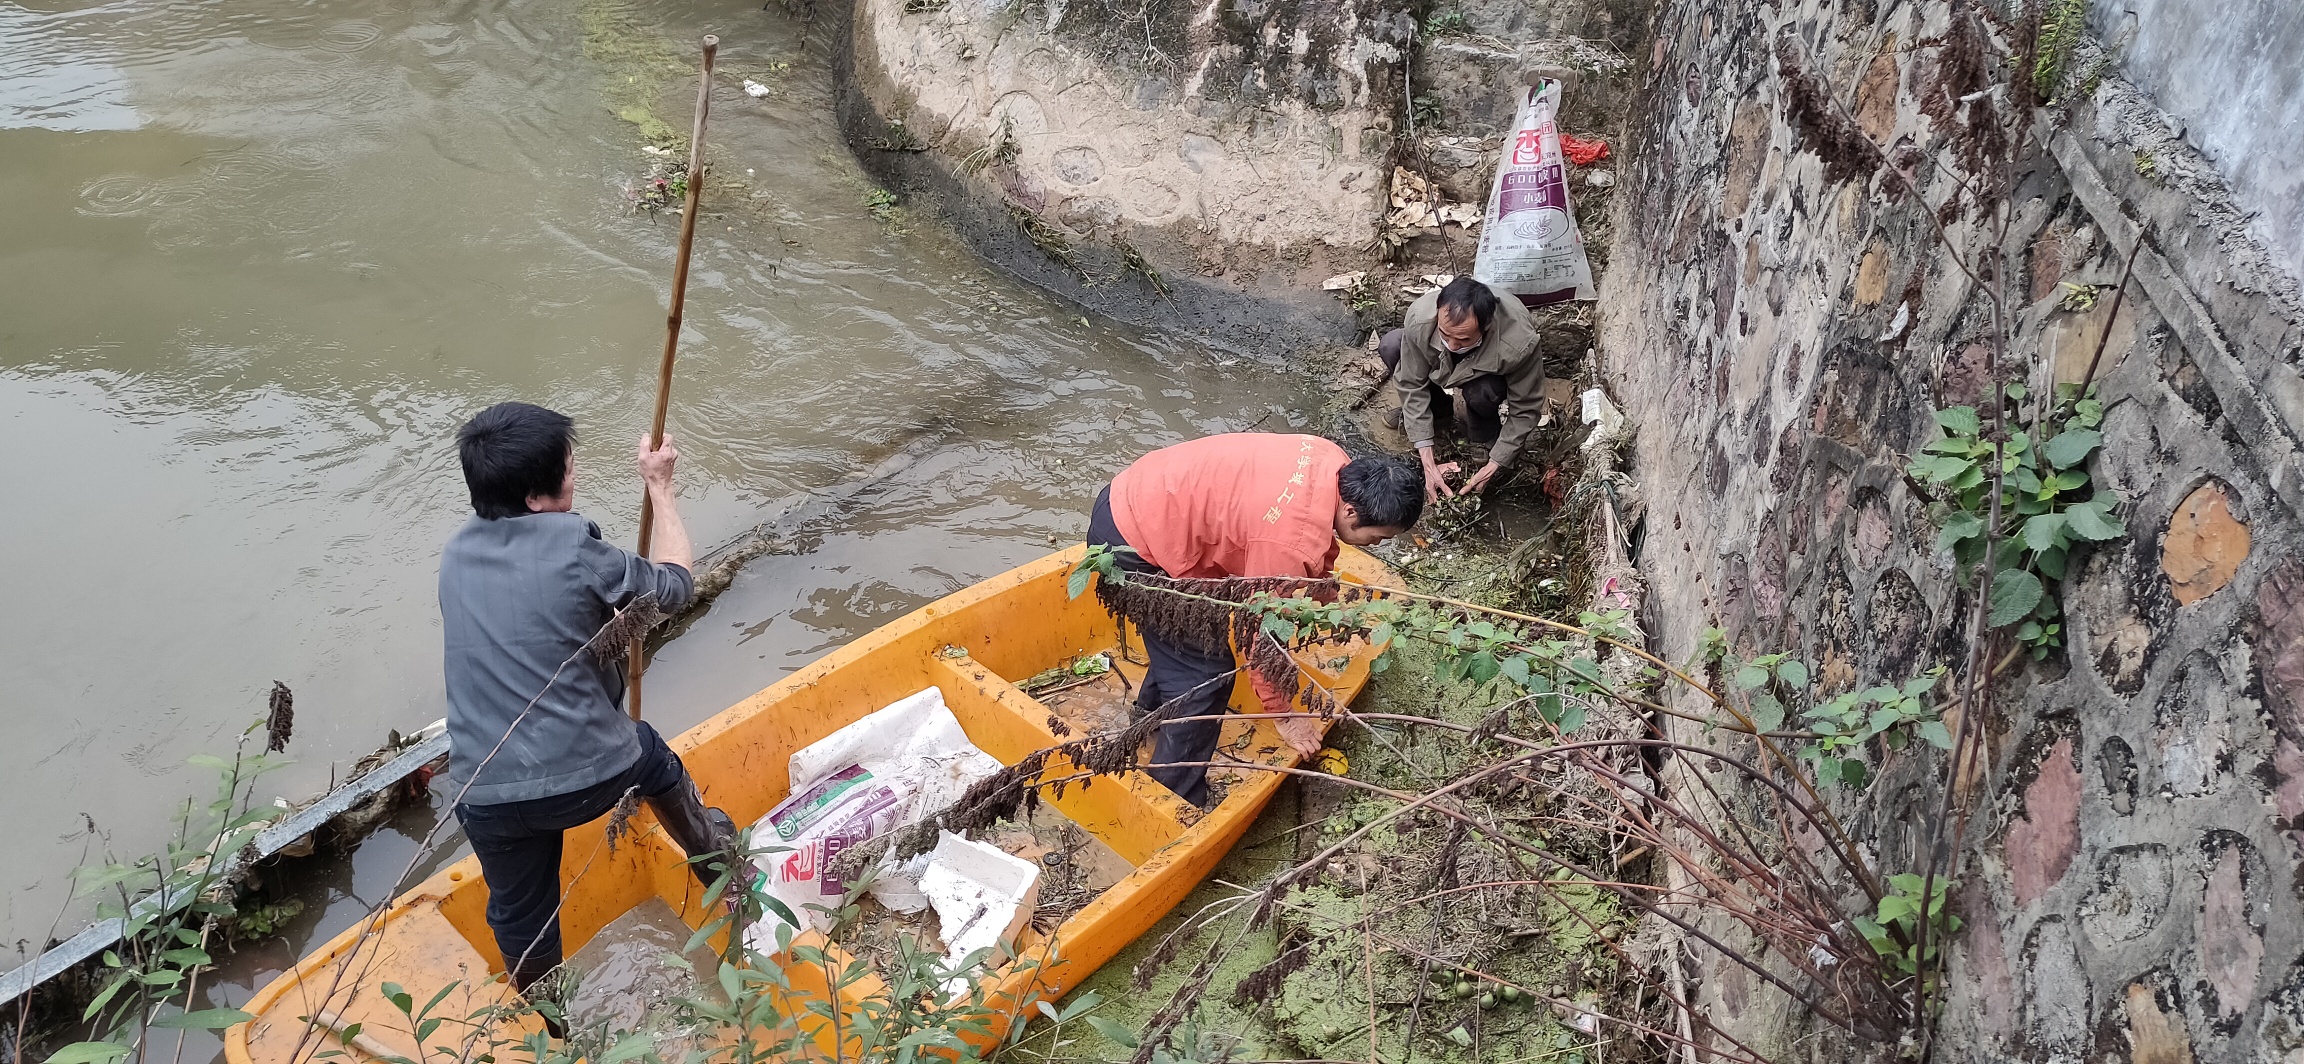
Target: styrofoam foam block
[{"x": 982, "y": 895}]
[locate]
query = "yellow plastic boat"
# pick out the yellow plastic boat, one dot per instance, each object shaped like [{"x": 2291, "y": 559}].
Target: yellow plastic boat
[{"x": 435, "y": 937}]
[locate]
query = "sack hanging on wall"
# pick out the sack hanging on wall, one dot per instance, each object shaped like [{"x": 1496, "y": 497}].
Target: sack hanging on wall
[{"x": 1529, "y": 245}]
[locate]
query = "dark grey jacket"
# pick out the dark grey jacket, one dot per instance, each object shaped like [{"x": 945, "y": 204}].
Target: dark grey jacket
[
  {"x": 1509, "y": 351},
  {"x": 519, "y": 598}
]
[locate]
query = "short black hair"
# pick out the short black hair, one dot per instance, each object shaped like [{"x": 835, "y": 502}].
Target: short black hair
[
  {"x": 1388, "y": 492},
  {"x": 512, "y": 451},
  {"x": 1466, "y": 294}
]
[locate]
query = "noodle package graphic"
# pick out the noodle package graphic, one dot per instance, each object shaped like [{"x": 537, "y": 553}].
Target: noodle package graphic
[{"x": 1529, "y": 245}]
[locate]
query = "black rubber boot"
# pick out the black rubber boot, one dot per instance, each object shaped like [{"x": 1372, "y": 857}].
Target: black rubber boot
[{"x": 700, "y": 832}]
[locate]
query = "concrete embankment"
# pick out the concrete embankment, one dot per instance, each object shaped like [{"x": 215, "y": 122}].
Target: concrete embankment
[{"x": 1193, "y": 166}]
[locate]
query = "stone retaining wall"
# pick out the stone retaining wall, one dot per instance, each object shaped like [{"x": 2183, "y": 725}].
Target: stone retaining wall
[{"x": 2131, "y": 883}]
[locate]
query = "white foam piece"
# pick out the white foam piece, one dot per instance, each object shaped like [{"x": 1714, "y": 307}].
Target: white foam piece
[{"x": 983, "y": 896}]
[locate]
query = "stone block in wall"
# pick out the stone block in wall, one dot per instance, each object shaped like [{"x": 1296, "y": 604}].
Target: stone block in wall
[
  {"x": 2041, "y": 843},
  {"x": 2204, "y": 544},
  {"x": 2279, "y": 646},
  {"x": 2156, "y": 1032},
  {"x": 2078, "y": 339}
]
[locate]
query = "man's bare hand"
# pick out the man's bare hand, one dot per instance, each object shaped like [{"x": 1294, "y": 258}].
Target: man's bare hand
[
  {"x": 1479, "y": 481},
  {"x": 1301, "y": 733},
  {"x": 1436, "y": 477},
  {"x": 656, "y": 465}
]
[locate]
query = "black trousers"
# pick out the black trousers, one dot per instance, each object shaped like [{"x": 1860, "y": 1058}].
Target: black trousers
[
  {"x": 1483, "y": 397},
  {"x": 1181, "y": 678},
  {"x": 518, "y": 844}
]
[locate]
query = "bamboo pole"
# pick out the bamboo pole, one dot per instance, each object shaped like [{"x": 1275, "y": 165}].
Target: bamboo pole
[{"x": 638, "y": 663}]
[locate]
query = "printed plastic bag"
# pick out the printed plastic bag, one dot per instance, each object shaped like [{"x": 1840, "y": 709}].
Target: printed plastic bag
[
  {"x": 1529, "y": 245},
  {"x": 892, "y": 768}
]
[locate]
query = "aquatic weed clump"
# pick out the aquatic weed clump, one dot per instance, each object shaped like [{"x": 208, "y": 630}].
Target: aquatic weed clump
[{"x": 635, "y": 62}]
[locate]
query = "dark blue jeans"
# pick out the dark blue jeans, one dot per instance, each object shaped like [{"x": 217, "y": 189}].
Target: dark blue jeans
[
  {"x": 518, "y": 844},
  {"x": 1179, "y": 677}
]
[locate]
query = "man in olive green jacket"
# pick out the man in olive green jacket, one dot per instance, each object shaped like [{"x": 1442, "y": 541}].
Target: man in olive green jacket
[{"x": 1470, "y": 337}]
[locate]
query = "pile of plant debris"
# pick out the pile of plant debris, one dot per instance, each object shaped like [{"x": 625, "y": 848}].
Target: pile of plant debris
[{"x": 1426, "y": 939}]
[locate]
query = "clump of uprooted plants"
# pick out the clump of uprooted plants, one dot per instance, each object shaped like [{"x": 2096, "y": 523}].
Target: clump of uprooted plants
[{"x": 1522, "y": 874}]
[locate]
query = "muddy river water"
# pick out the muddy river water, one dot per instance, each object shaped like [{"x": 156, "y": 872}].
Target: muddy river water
[{"x": 259, "y": 258}]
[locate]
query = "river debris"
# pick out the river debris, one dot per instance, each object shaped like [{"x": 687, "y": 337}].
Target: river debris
[
  {"x": 46, "y": 994},
  {"x": 1079, "y": 670},
  {"x": 665, "y": 187},
  {"x": 1416, "y": 205},
  {"x": 279, "y": 718}
]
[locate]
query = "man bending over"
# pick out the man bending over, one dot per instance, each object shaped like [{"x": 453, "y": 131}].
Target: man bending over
[
  {"x": 536, "y": 738},
  {"x": 1244, "y": 504},
  {"x": 1477, "y": 340}
]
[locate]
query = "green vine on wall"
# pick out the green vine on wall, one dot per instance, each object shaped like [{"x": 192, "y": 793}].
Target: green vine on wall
[{"x": 2048, "y": 505}]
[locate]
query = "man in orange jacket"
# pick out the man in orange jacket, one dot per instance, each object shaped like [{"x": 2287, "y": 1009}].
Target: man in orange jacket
[{"x": 1242, "y": 504}]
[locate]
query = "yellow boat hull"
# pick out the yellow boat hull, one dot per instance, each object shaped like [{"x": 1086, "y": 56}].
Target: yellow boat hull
[{"x": 1009, "y": 627}]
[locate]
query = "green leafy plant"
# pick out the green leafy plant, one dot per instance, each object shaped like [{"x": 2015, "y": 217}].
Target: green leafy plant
[
  {"x": 1424, "y": 109},
  {"x": 2062, "y": 24},
  {"x": 1542, "y": 681},
  {"x": 881, "y": 204},
  {"x": 1894, "y": 928},
  {"x": 2048, "y": 503},
  {"x": 1443, "y": 23},
  {"x": 1840, "y": 728},
  {"x": 1766, "y": 680},
  {"x": 1847, "y": 723},
  {"x": 170, "y": 906}
]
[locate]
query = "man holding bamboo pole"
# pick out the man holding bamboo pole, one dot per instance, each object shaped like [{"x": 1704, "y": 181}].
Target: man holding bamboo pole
[{"x": 536, "y": 608}]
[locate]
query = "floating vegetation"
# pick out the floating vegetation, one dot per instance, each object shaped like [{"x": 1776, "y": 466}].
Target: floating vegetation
[
  {"x": 279, "y": 718},
  {"x": 1076, "y": 671},
  {"x": 635, "y": 61},
  {"x": 896, "y": 138},
  {"x": 664, "y": 188}
]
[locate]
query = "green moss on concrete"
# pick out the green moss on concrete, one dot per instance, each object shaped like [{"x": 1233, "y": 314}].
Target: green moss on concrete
[
  {"x": 1362, "y": 928},
  {"x": 1268, "y": 848}
]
